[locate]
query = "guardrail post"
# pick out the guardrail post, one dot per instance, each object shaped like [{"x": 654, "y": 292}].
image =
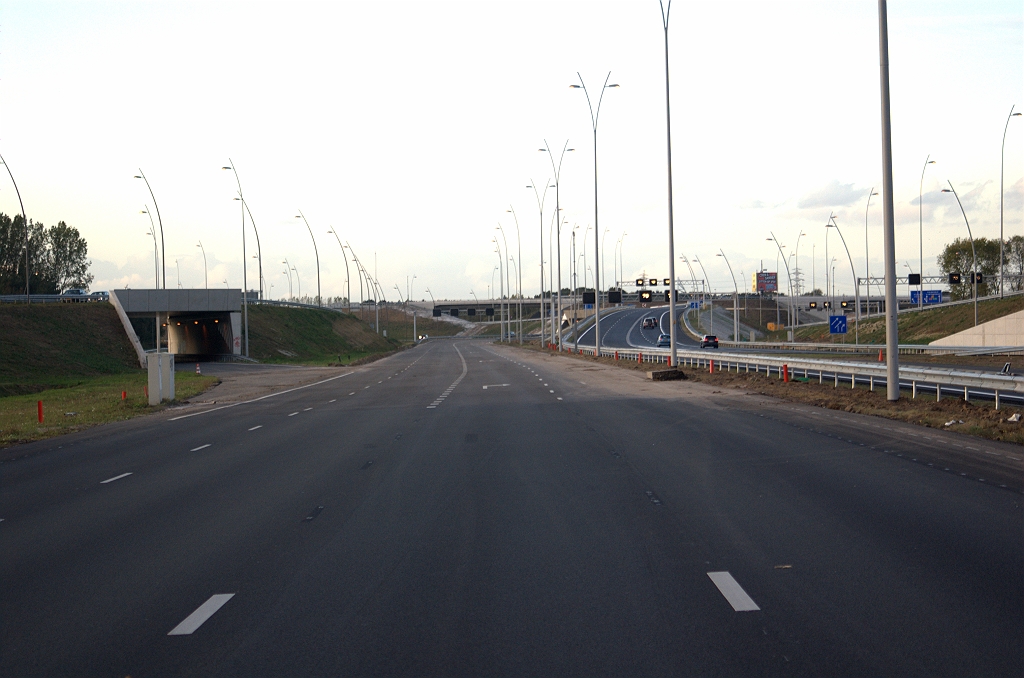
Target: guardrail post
[
  {"x": 913, "y": 388},
  {"x": 853, "y": 381},
  {"x": 821, "y": 377},
  {"x": 639, "y": 357},
  {"x": 871, "y": 383},
  {"x": 836, "y": 375},
  {"x": 938, "y": 392},
  {"x": 967, "y": 396}
]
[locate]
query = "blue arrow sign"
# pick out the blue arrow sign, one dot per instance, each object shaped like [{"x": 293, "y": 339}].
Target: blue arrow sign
[
  {"x": 694, "y": 304},
  {"x": 837, "y": 324}
]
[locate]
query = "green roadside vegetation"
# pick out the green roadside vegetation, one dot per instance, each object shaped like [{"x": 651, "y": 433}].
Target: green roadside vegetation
[
  {"x": 77, "y": 360},
  {"x": 919, "y": 327},
  {"x": 306, "y": 336}
]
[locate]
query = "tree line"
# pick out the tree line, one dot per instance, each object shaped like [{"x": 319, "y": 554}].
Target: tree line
[
  {"x": 957, "y": 258},
  {"x": 56, "y": 257}
]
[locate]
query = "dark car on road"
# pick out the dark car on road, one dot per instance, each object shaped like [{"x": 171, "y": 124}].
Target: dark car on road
[
  {"x": 709, "y": 340},
  {"x": 664, "y": 341}
]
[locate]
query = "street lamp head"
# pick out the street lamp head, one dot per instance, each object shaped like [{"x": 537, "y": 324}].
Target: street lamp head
[
  {"x": 1014, "y": 115},
  {"x": 575, "y": 87},
  {"x": 875, "y": 193},
  {"x": 226, "y": 167},
  {"x": 143, "y": 212},
  {"x": 236, "y": 198},
  {"x": 137, "y": 176},
  {"x": 606, "y": 86},
  {"x": 945, "y": 190},
  {"x": 931, "y": 162}
]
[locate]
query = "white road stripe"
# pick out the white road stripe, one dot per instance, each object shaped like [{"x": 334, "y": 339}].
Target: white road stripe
[
  {"x": 201, "y": 447},
  {"x": 352, "y": 393},
  {"x": 332, "y": 400},
  {"x": 269, "y": 395},
  {"x": 733, "y": 592},
  {"x": 202, "y": 613},
  {"x": 110, "y": 480},
  {"x": 293, "y": 414},
  {"x": 307, "y": 409},
  {"x": 256, "y": 427}
]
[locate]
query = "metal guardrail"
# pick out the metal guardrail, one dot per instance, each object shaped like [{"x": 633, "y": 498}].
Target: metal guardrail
[
  {"x": 940, "y": 381},
  {"x": 53, "y": 298}
]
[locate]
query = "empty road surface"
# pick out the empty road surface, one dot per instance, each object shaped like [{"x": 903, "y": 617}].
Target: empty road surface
[{"x": 469, "y": 509}]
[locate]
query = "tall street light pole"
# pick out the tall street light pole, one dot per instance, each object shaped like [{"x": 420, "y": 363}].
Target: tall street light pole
[
  {"x": 206, "y": 275},
  {"x": 789, "y": 277},
  {"x": 348, "y": 284},
  {"x": 794, "y": 281},
  {"x": 594, "y": 115},
  {"x": 245, "y": 264},
  {"x": 317, "y": 253},
  {"x": 163, "y": 249},
  {"x": 1002, "y": 155},
  {"x": 557, "y": 169},
  {"x": 508, "y": 287},
  {"x": 735, "y": 299},
  {"x": 665, "y": 11},
  {"x": 259, "y": 250},
  {"x": 541, "y": 197},
  {"x": 24, "y": 221},
  {"x": 867, "y": 260},
  {"x": 856, "y": 287},
  {"x": 920, "y": 227},
  {"x": 708, "y": 284},
  {"x": 974, "y": 255},
  {"x": 156, "y": 252},
  {"x": 892, "y": 379},
  {"x": 622, "y": 245},
  {"x": 501, "y": 282},
  {"x": 519, "y": 272},
  {"x": 288, "y": 272}
]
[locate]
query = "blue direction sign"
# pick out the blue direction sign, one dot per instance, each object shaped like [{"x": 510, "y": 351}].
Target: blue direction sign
[
  {"x": 930, "y": 296},
  {"x": 837, "y": 324},
  {"x": 694, "y": 304}
]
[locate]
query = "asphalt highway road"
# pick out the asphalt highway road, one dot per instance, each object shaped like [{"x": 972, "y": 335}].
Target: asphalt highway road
[{"x": 468, "y": 509}]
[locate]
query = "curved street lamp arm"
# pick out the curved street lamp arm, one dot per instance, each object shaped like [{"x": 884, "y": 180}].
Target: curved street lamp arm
[
  {"x": 319, "y": 300},
  {"x": 163, "y": 256}
]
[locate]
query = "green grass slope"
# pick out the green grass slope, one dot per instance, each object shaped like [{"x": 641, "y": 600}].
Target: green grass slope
[
  {"x": 310, "y": 336},
  {"x": 57, "y": 345}
]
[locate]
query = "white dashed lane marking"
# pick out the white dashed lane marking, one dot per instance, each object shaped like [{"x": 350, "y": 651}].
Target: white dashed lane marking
[
  {"x": 256, "y": 427},
  {"x": 110, "y": 480},
  {"x": 733, "y": 592},
  {"x": 201, "y": 447},
  {"x": 202, "y": 613},
  {"x": 293, "y": 414}
]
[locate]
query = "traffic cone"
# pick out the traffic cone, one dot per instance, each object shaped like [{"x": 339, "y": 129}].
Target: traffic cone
[{"x": 880, "y": 358}]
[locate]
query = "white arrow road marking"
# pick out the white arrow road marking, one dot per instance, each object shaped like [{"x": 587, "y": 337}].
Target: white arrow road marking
[
  {"x": 495, "y": 386},
  {"x": 733, "y": 592},
  {"x": 202, "y": 613},
  {"x": 110, "y": 480}
]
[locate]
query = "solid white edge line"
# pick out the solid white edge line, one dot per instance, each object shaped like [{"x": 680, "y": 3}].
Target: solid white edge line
[
  {"x": 201, "y": 447},
  {"x": 110, "y": 480},
  {"x": 202, "y": 613},
  {"x": 733, "y": 592},
  {"x": 269, "y": 395}
]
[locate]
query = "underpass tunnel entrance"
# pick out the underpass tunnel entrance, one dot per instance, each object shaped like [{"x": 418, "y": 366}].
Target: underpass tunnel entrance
[{"x": 198, "y": 334}]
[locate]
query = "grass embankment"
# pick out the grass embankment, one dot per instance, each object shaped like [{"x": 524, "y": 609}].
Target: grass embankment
[
  {"x": 306, "y": 336},
  {"x": 919, "y": 327},
  {"x": 76, "y": 359},
  {"x": 980, "y": 419}
]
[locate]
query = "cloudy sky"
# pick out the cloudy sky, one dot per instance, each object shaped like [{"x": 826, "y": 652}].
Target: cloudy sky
[{"x": 411, "y": 129}]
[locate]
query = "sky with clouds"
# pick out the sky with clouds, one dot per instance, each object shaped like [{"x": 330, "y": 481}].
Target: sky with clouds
[{"x": 413, "y": 128}]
